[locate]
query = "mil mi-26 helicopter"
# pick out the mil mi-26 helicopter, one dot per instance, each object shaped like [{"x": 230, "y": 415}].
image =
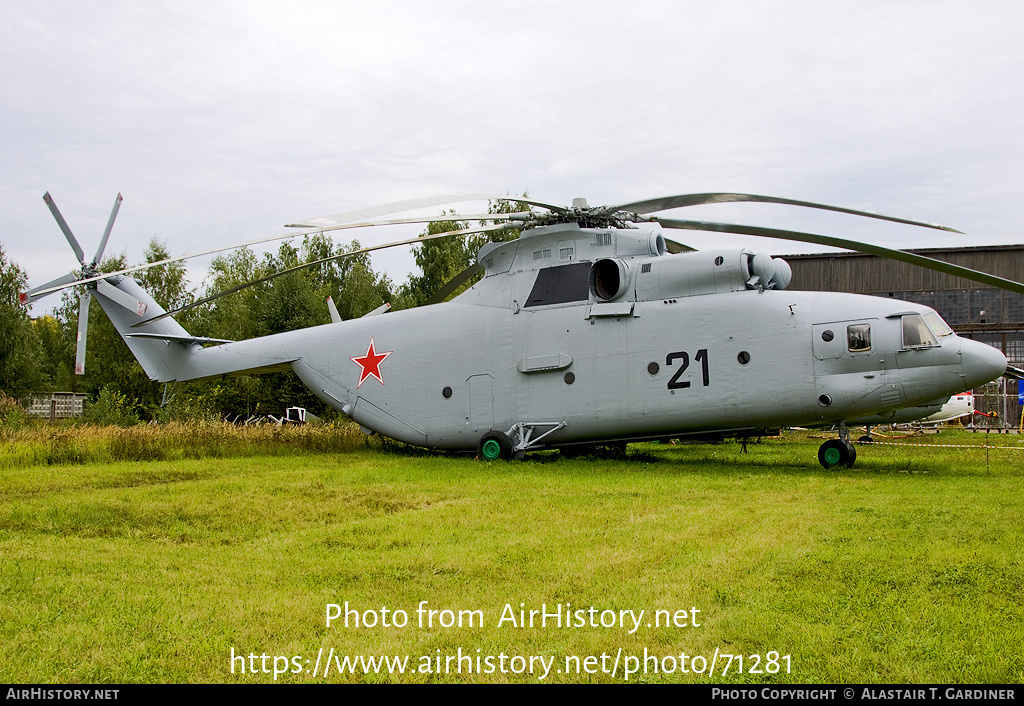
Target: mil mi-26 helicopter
[{"x": 591, "y": 328}]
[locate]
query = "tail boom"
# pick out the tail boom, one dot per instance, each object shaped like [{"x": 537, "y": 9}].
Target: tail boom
[{"x": 167, "y": 352}]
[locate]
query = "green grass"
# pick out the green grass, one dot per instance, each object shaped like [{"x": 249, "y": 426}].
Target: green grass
[{"x": 906, "y": 568}]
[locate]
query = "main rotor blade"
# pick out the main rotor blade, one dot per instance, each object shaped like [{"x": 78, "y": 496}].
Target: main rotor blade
[
  {"x": 260, "y": 241},
  {"x": 408, "y": 205},
  {"x": 453, "y": 284},
  {"x": 901, "y": 255},
  {"x": 520, "y": 215},
  {"x": 106, "y": 232},
  {"x": 409, "y": 241},
  {"x": 83, "y": 331},
  {"x": 33, "y": 294},
  {"x": 64, "y": 227},
  {"x": 667, "y": 202}
]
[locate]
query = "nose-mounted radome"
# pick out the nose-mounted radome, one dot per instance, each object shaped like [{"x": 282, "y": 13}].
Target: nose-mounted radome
[{"x": 981, "y": 363}]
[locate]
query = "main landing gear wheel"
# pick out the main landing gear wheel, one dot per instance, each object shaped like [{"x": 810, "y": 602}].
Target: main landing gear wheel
[
  {"x": 836, "y": 452},
  {"x": 494, "y": 445}
]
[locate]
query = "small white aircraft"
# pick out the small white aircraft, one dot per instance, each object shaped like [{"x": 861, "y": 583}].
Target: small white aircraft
[{"x": 958, "y": 406}]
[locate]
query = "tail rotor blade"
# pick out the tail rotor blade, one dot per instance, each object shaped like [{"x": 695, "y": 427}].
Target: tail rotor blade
[
  {"x": 106, "y": 233},
  {"x": 31, "y": 295},
  {"x": 64, "y": 227},
  {"x": 83, "y": 331}
]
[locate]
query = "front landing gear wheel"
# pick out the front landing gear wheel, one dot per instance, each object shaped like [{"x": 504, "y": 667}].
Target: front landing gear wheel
[
  {"x": 494, "y": 445},
  {"x": 836, "y": 452}
]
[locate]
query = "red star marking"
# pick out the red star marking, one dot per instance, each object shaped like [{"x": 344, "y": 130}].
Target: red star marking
[{"x": 370, "y": 364}]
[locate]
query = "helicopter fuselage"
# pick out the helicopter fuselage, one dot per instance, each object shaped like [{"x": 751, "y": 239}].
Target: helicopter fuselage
[{"x": 725, "y": 362}]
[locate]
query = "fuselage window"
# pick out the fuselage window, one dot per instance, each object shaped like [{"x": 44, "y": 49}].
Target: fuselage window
[
  {"x": 558, "y": 285},
  {"x": 858, "y": 337},
  {"x": 916, "y": 333}
]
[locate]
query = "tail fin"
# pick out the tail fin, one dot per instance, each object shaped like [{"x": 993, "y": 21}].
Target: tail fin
[{"x": 163, "y": 347}]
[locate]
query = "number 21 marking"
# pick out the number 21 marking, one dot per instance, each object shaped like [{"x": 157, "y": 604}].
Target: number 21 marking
[{"x": 701, "y": 357}]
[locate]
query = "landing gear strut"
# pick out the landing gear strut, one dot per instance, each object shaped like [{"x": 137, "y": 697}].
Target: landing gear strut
[
  {"x": 838, "y": 452},
  {"x": 514, "y": 443}
]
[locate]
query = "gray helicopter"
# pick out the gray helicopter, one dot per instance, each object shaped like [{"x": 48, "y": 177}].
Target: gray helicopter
[{"x": 591, "y": 328}]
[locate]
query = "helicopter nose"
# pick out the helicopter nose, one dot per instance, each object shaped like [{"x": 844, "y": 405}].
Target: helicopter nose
[{"x": 981, "y": 363}]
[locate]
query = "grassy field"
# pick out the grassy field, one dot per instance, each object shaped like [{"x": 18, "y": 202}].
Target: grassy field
[{"x": 906, "y": 568}]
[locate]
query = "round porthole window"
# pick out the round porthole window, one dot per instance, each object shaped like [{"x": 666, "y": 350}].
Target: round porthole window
[
  {"x": 569, "y": 378},
  {"x": 743, "y": 358},
  {"x": 827, "y": 335},
  {"x": 447, "y": 392},
  {"x": 653, "y": 368}
]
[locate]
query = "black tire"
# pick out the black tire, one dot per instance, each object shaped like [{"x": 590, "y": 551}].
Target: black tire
[
  {"x": 834, "y": 453},
  {"x": 494, "y": 445}
]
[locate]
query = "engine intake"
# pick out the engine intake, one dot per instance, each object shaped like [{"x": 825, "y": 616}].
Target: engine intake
[{"x": 609, "y": 279}]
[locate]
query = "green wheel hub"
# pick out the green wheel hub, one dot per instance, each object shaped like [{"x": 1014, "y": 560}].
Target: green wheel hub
[
  {"x": 835, "y": 453},
  {"x": 491, "y": 449}
]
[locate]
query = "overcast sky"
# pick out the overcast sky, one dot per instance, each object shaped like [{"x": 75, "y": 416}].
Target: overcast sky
[{"x": 221, "y": 121}]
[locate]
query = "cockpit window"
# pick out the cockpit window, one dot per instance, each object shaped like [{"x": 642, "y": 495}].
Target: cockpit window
[
  {"x": 940, "y": 327},
  {"x": 858, "y": 337},
  {"x": 916, "y": 333}
]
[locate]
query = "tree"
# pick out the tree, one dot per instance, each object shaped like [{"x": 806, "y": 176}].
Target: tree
[
  {"x": 20, "y": 351},
  {"x": 443, "y": 259},
  {"x": 58, "y": 354},
  {"x": 167, "y": 284},
  {"x": 439, "y": 260},
  {"x": 350, "y": 280},
  {"x": 286, "y": 303}
]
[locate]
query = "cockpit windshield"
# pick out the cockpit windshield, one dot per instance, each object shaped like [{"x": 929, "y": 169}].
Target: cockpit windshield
[
  {"x": 939, "y": 327},
  {"x": 916, "y": 333}
]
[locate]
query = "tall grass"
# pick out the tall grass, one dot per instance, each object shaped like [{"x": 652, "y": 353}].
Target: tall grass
[{"x": 34, "y": 445}]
